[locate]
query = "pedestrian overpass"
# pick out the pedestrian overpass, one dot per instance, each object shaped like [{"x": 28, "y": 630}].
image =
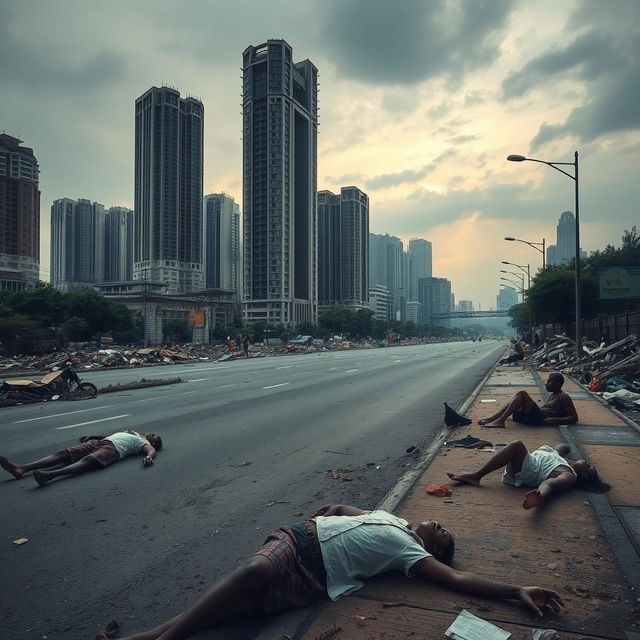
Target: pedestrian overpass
[{"x": 469, "y": 314}]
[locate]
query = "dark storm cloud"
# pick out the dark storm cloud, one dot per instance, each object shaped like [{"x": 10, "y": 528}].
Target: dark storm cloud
[
  {"x": 38, "y": 66},
  {"x": 406, "y": 42},
  {"x": 606, "y": 61}
]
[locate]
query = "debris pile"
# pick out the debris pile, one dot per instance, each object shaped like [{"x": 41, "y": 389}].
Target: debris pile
[{"x": 611, "y": 370}]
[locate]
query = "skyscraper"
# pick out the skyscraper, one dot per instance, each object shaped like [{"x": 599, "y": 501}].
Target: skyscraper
[
  {"x": 387, "y": 267},
  {"x": 19, "y": 215},
  {"x": 168, "y": 190},
  {"x": 77, "y": 243},
  {"x": 118, "y": 245},
  {"x": 343, "y": 248},
  {"x": 434, "y": 294},
  {"x": 222, "y": 242},
  {"x": 564, "y": 251},
  {"x": 280, "y": 130},
  {"x": 507, "y": 297},
  {"x": 422, "y": 251}
]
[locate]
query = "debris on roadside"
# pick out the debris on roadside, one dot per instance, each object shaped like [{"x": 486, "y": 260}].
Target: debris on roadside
[
  {"x": 20, "y": 541},
  {"x": 340, "y": 474},
  {"x": 440, "y": 490},
  {"x": 140, "y": 384}
]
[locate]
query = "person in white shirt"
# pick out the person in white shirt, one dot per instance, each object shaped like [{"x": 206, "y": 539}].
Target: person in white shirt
[
  {"x": 95, "y": 452},
  {"x": 331, "y": 554}
]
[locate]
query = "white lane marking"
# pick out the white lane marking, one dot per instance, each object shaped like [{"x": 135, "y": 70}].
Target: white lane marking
[
  {"x": 226, "y": 386},
  {"x": 352, "y": 370},
  {"x": 81, "y": 424},
  {"x": 397, "y": 360},
  {"x": 273, "y": 386},
  {"x": 149, "y": 399},
  {"x": 198, "y": 380},
  {"x": 186, "y": 393},
  {"x": 55, "y": 415},
  {"x": 332, "y": 369},
  {"x": 288, "y": 366}
]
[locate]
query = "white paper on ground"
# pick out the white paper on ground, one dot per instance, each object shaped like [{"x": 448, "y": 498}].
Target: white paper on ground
[
  {"x": 469, "y": 627},
  {"x": 544, "y": 634}
]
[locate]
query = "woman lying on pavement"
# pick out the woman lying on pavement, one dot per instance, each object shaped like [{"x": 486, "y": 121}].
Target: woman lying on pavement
[
  {"x": 329, "y": 555},
  {"x": 545, "y": 469}
]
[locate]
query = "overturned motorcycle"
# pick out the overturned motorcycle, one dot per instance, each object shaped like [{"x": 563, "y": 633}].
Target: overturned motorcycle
[{"x": 61, "y": 384}]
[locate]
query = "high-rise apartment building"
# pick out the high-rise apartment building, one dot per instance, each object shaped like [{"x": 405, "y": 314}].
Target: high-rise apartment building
[
  {"x": 343, "y": 248},
  {"x": 387, "y": 267},
  {"x": 434, "y": 294},
  {"x": 223, "y": 260},
  {"x": 422, "y": 251},
  {"x": 77, "y": 243},
  {"x": 507, "y": 297},
  {"x": 168, "y": 190},
  {"x": 19, "y": 215},
  {"x": 280, "y": 130},
  {"x": 118, "y": 245}
]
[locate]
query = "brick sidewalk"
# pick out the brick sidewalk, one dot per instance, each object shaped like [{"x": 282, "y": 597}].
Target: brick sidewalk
[{"x": 585, "y": 546}]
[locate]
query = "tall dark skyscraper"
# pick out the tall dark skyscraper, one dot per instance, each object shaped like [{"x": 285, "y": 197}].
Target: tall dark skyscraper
[
  {"x": 280, "y": 130},
  {"x": 19, "y": 215},
  {"x": 168, "y": 190},
  {"x": 343, "y": 248}
]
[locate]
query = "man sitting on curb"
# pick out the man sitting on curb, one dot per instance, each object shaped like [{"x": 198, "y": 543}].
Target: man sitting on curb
[
  {"x": 330, "y": 555},
  {"x": 95, "y": 452},
  {"x": 558, "y": 409},
  {"x": 545, "y": 469}
]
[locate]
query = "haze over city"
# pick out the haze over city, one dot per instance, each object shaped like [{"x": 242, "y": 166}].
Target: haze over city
[{"x": 420, "y": 103}]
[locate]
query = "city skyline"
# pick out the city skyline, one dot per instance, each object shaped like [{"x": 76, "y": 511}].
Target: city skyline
[{"x": 423, "y": 126}]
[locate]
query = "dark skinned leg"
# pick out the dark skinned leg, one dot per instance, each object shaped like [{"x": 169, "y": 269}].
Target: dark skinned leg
[
  {"x": 522, "y": 401},
  {"x": 18, "y": 470},
  {"x": 82, "y": 466},
  {"x": 512, "y": 457},
  {"x": 233, "y": 597}
]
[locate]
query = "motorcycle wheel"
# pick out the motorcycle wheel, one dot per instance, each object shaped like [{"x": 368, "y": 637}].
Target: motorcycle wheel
[{"x": 84, "y": 391}]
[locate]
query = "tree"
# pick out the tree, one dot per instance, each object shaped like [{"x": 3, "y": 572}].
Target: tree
[
  {"x": 13, "y": 325},
  {"x": 175, "y": 330},
  {"x": 519, "y": 314}
]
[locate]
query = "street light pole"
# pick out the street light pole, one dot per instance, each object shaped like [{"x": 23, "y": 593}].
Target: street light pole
[
  {"x": 575, "y": 178},
  {"x": 534, "y": 245}
]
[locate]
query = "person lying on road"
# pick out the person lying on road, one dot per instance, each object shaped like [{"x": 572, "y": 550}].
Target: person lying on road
[
  {"x": 545, "y": 469},
  {"x": 331, "y": 554},
  {"x": 95, "y": 452},
  {"x": 558, "y": 409}
]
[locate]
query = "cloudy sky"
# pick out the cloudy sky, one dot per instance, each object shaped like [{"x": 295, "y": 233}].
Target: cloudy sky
[{"x": 420, "y": 103}]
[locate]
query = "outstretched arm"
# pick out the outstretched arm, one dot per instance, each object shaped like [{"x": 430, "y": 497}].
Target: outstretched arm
[
  {"x": 86, "y": 438},
  {"x": 549, "y": 487},
  {"x": 337, "y": 510},
  {"x": 569, "y": 419},
  {"x": 150, "y": 454},
  {"x": 536, "y": 598},
  {"x": 562, "y": 448}
]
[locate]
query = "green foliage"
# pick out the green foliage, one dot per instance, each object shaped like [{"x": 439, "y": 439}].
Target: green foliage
[
  {"x": 78, "y": 315},
  {"x": 519, "y": 314},
  {"x": 176, "y": 330}
]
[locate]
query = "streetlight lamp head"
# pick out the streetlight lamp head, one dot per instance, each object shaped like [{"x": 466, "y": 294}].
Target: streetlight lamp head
[
  {"x": 514, "y": 157},
  {"x": 509, "y": 238}
]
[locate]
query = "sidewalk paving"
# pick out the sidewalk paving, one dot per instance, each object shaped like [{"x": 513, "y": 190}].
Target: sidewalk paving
[{"x": 585, "y": 546}]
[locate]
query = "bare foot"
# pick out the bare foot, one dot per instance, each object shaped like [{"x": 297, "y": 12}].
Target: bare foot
[
  {"x": 13, "y": 469},
  {"x": 531, "y": 499},
  {"x": 40, "y": 477},
  {"x": 484, "y": 420},
  {"x": 467, "y": 478},
  {"x": 494, "y": 425}
]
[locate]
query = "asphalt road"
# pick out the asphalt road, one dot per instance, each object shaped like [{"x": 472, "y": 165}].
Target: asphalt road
[{"x": 137, "y": 545}]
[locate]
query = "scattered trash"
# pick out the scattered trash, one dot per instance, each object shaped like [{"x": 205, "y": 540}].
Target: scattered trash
[
  {"x": 440, "y": 490},
  {"x": 469, "y": 442},
  {"x": 20, "y": 541},
  {"x": 272, "y": 502},
  {"x": 469, "y": 627},
  {"x": 361, "y": 621},
  {"x": 329, "y": 633},
  {"x": 340, "y": 474},
  {"x": 544, "y": 634},
  {"x": 245, "y": 463},
  {"x": 413, "y": 451},
  {"x": 488, "y": 400},
  {"x": 453, "y": 418}
]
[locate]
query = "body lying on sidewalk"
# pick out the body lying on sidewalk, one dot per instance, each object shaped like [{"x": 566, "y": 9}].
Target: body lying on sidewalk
[
  {"x": 545, "y": 469},
  {"x": 330, "y": 555},
  {"x": 94, "y": 452},
  {"x": 558, "y": 409}
]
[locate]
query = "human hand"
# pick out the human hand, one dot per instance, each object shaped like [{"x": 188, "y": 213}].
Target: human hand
[
  {"x": 84, "y": 438},
  {"x": 537, "y": 598},
  {"x": 321, "y": 511},
  {"x": 532, "y": 498},
  {"x": 148, "y": 461}
]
